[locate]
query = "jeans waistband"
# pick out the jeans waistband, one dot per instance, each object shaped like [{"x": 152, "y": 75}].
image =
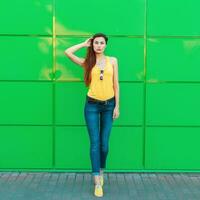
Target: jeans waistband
[{"x": 99, "y": 101}]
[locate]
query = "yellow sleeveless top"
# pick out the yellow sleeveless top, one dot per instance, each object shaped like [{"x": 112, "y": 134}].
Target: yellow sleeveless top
[{"x": 102, "y": 89}]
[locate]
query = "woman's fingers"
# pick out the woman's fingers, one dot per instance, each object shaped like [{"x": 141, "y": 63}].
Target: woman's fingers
[
  {"x": 115, "y": 114},
  {"x": 88, "y": 41}
]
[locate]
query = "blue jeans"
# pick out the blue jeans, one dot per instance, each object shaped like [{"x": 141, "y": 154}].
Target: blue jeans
[{"x": 99, "y": 119}]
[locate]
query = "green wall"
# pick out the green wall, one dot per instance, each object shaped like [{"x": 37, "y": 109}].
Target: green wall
[{"x": 157, "y": 44}]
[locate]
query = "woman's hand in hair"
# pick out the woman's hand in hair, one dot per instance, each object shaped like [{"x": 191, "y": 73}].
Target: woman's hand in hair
[{"x": 87, "y": 42}]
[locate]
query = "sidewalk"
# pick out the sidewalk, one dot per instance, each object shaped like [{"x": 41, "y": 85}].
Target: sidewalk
[{"x": 118, "y": 186}]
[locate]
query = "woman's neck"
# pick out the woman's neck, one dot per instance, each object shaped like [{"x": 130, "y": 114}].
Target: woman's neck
[{"x": 100, "y": 56}]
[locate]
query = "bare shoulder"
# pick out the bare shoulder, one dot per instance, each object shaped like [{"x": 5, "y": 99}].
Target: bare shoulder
[{"x": 113, "y": 60}]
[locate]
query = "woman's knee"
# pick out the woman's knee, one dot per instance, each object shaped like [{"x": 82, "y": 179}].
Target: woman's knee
[
  {"x": 95, "y": 145},
  {"x": 104, "y": 148}
]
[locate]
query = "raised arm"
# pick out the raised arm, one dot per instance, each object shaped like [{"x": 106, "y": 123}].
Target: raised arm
[{"x": 69, "y": 52}]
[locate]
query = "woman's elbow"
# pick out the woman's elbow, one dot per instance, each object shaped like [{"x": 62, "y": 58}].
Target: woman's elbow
[{"x": 67, "y": 53}]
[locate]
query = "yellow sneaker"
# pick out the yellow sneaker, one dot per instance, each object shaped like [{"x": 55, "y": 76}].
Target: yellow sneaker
[
  {"x": 101, "y": 180},
  {"x": 98, "y": 190}
]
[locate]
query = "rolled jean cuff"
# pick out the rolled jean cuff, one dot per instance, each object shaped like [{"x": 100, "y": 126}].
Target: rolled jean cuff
[{"x": 95, "y": 173}]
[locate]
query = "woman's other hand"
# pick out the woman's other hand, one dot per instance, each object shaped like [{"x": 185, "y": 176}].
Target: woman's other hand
[{"x": 116, "y": 112}]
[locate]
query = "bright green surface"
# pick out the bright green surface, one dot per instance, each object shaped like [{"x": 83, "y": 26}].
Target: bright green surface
[
  {"x": 181, "y": 59},
  {"x": 42, "y": 100},
  {"x": 26, "y": 58},
  {"x": 26, "y": 17},
  {"x": 173, "y": 104},
  {"x": 69, "y": 154},
  {"x": 26, "y": 103},
  {"x": 173, "y": 17},
  {"x": 126, "y": 148},
  {"x": 130, "y": 54},
  {"x": 112, "y": 17},
  {"x": 25, "y": 147},
  {"x": 70, "y": 99},
  {"x": 172, "y": 148}
]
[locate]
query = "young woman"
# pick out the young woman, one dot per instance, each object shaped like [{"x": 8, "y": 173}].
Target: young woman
[{"x": 102, "y": 100}]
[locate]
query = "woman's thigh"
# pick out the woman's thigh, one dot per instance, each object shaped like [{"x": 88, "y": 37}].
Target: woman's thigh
[
  {"x": 91, "y": 114},
  {"x": 106, "y": 120}
]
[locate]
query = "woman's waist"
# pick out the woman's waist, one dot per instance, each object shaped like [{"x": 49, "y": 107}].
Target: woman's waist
[{"x": 92, "y": 99}]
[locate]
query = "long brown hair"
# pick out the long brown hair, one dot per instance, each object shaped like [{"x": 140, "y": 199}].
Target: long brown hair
[{"x": 90, "y": 59}]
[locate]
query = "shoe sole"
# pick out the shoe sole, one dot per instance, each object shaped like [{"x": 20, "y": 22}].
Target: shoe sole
[{"x": 98, "y": 195}]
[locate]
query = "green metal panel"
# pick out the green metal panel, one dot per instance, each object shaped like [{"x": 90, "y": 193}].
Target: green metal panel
[
  {"x": 112, "y": 17},
  {"x": 70, "y": 99},
  {"x": 181, "y": 59},
  {"x": 72, "y": 148},
  {"x": 26, "y": 103},
  {"x": 43, "y": 93},
  {"x": 25, "y": 147},
  {"x": 26, "y": 17},
  {"x": 131, "y": 108},
  {"x": 173, "y": 104},
  {"x": 128, "y": 156},
  {"x": 26, "y": 58},
  {"x": 130, "y": 54},
  {"x": 126, "y": 148},
  {"x": 129, "y": 69},
  {"x": 173, "y": 17},
  {"x": 172, "y": 148}
]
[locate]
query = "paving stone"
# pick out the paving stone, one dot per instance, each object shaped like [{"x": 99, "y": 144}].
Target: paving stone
[{"x": 117, "y": 186}]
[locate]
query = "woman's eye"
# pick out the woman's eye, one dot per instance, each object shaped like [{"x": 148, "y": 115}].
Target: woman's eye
[{"x": 100, "y": 42}]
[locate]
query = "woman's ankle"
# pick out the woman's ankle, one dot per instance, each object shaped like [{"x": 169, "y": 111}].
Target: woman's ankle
[
  {"x": 101, "y": 172},
  {"x": 97, "y": 179}
]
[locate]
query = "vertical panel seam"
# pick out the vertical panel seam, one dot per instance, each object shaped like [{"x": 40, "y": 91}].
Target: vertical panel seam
[
  {"x": 144, "y": 90},
  {"x": 53, "y": 83}
]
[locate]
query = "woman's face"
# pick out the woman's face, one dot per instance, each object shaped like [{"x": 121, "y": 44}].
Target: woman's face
[{"x": 99, "y": 44}]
